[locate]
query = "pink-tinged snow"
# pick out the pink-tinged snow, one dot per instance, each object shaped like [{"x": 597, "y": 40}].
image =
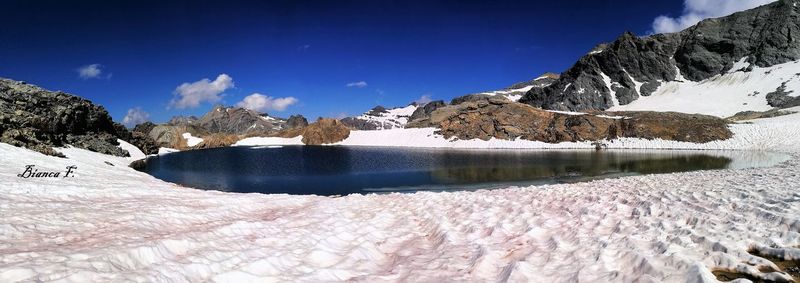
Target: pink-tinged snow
[
  {"x": 722, "y": 95},
  {"x": 111, "y": 223}
]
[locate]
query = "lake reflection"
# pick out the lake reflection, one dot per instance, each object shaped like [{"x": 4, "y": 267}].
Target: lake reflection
[{"x": 336, "y": 170}]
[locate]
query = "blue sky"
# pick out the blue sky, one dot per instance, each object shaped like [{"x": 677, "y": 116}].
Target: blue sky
[{"x": 330, "y": 57}]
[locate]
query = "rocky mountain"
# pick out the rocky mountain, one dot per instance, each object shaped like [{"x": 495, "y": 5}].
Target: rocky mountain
[
  {"x": 218, "y": 126},
  {"x": 631, "y": 67},
  {"x": 240, "y": 121},
  {"x": 38, "y": 119},
  {"x": 380, "y": 118}
]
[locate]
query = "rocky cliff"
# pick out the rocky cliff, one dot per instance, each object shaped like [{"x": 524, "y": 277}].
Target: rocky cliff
[
  {"x": 503, "y": 119},
  {"x": 630, "y": 67},
  {"x": 39, "y": 120}
]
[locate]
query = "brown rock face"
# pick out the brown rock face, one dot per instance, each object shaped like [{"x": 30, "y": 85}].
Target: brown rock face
[
  {"x": 673, "y": 126},
  {"x": 502, "y": 119},
  {"x": 324, "y": 131},
  {"x": 217, "y": 140}
]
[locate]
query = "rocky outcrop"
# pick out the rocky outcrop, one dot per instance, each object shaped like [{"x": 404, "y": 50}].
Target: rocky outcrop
[
  {"x": 182, "y": 121},
  {"x": 39, "y": 120},
  {"x": 138, "y": 138},
  {"x": 780, "y": 98},
  {"x": 513, "y": 92},
  {"x": 501, "y": 119},
  {"x": 544, "y": 80},
  {"x": 168, "y": 136},
  {"x": 323, "y": 131},
  {"x": 296, "y": 121},
  {"x": 217, "y": 140},
  {"x": 144, "y": 128},
  {"x": 361, "y": 124},
  {"x": 426, "y": 110},
  {"x": 631, "y": 67},
  {"x": 752, "y": 115},
  {"x": 470, "y": 98}
]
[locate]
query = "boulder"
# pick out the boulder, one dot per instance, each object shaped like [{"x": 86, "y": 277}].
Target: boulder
[{"x": 325, "y": 131}]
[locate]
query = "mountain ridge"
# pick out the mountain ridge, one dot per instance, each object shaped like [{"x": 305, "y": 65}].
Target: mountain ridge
[{"x": 631, "y": 67}]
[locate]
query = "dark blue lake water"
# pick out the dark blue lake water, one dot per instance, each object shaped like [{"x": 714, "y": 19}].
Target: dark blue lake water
[{"x": 337, "y": 170}]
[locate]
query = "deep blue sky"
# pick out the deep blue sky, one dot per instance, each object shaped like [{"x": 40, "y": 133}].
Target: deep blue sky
[{"x": 402, "y": 49}]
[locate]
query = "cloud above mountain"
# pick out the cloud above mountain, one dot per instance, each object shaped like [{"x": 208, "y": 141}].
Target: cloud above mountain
[
  {"x": 191, "y": 95},
  {"x": 135, "y": 116},
  {"x": 262, "y": 103},
  {"x": 695, "y": 11}
]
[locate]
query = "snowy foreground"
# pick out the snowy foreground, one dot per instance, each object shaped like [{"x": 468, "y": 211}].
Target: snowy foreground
[{"x": 111, "y": 223}]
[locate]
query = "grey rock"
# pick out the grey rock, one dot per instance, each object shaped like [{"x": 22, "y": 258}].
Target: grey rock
[
  {"x": 780, "y": 98},
  {"x": 240, "y": 121},
  {"x": 470, "y": 98},
  {"x": 425, "y": 111},
  {"x": 377, "y": 110},
  {"x": 296, "y": 121},
  {"x": 182, "y": 121},
  {"x": 39, "y": 119},
  {"x": 360, "y": 124},
  {"x": 544, "y": 80}
]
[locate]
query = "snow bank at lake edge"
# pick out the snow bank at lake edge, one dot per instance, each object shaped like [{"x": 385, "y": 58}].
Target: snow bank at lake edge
[{"x": 112, "y": 223}]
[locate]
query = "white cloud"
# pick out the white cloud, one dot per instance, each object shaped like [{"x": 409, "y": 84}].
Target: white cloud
[
  {"x": 93, "y": 71},
  {"x": 304, "y": 47},
  {"x": 262, "y": 103},
  {"x": 135, "y": 116},
  {"x": 425, "y": 99},
  {"x": 696, "y": 10},
  {"x": 358, "y": 84},
  {"x": 190, "y": 95}
]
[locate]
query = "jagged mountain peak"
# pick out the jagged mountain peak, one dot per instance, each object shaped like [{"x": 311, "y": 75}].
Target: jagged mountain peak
[{"x": 630, "y": 67}]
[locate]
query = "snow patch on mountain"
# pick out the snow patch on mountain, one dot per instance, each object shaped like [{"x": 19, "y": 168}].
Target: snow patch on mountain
[
  {"x": 390, "y": 118},
  {"x": 722, "y": 95}
]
